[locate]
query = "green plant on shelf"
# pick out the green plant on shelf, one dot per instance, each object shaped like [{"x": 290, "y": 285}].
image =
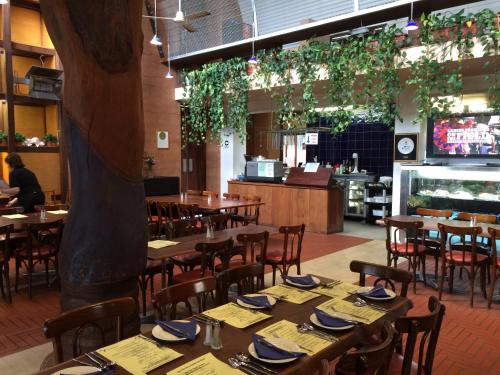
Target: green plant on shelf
[
  {"x": 418, "y": 201},
  {"x": 50, "y": 139},
  {"x": 19, "y": 138},
  {"x": 3, "y": 136}
]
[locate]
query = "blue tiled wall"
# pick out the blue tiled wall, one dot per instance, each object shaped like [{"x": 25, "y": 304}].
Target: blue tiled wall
[{"x": 373, "y": 142}]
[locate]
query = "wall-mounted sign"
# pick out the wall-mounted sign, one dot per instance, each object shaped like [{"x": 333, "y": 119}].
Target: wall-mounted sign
[
  {"x": 162, "y": 139},
  {"x": 406, "y": 147},
  {"x": 311, "y": 139}
]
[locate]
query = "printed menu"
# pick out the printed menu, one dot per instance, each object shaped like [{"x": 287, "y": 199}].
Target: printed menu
[
  {"x": 205, "y": 365},
  {"x": 235, "y": 315},
  {"x": 290, "y": 294}
]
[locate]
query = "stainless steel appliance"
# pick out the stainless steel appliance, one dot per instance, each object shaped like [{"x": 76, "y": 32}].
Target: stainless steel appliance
[
  {"x": 264, "y": 171},
  {"x": 354, "y": 196}
]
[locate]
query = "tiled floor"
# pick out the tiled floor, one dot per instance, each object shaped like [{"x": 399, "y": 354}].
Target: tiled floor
[{"x": 468, "y": 344}]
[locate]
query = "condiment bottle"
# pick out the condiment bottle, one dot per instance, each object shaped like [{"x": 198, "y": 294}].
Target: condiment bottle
[
  {"x": 207, "y": 340},
  {"x": 216, "y": 337},
  {"x": 43, "y": 214}
]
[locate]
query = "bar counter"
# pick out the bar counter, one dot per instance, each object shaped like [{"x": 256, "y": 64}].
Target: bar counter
[{"x": 320, "y": 209}]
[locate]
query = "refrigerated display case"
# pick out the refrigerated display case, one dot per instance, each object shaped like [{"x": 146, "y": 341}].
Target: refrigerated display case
[{"x": 354, "y": 187}]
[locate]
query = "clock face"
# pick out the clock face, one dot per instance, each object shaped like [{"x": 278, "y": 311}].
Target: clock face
[{"x": 406, "y": 146}]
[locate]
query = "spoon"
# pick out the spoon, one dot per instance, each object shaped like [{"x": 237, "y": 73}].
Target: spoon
[
  {"x": 361, "y": 303},
  {"x": 308, "y": 327},
  {"x": 237, "y": 364},
  {"x": 244, "y": 358}
]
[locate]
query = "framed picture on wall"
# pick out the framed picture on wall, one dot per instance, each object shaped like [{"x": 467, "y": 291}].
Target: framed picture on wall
[
  {"x": 162, "y": 139},
  {"x": 406, "y": 147}
]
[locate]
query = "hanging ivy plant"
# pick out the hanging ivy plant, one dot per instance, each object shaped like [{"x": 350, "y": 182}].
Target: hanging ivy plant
[{"x": 237, "y": 90}]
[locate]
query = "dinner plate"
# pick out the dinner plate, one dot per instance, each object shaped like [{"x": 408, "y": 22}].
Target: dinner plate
[
  {"x": 316, "y": 282},
  {"x": 391, "y": 294},
  {"x": 314, "y": 320},
  {"x": 281, "y": 343},
  {"x": 162, "y": 335},
  {"x": 271, "y": 300},
  {"x": 77, "y": 370}
]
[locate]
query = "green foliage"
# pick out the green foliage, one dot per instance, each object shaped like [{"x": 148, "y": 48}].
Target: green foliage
[
  {"x": 3, "y": 136},
  {"x": 19, "y": 137},
  {"x": 50, "y": 138}
]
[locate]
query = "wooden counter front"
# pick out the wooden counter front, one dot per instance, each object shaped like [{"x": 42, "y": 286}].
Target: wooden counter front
[{"x": 321, "y": 210}]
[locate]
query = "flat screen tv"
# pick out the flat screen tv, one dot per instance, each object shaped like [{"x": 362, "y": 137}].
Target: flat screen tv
[{"x": 464, "y": 136}]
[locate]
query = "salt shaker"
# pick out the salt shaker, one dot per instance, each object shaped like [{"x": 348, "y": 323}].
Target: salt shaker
[
  {"x": 43, "y": 214},
  {"x": 216, "y": 337},
  {"x": 207, "y": 340}
]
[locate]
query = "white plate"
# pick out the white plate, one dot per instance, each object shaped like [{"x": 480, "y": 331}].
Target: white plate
[
  {"x": 77, "y": 370},
  {"x": 281, "y": 343},
  {"x": 160, "y": 334},
  {"x": 316, "y": 282},
  {"x": 314, "y": 320},
  {"x": 391, "y": 294},
  {"x": 271, "y": 300}
]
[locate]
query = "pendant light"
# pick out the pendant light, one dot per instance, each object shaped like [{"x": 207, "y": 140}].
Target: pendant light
[
  {"x": 411, "y": 25},
  {"x": 155, "y": 41},
  {"x": 253, "y": 60},
  {"x": 169, "y": 74}
]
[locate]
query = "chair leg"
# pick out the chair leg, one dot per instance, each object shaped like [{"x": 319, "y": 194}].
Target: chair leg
[
  {"x": 422, "y": 259},
  {"x": 298, "y": 268},
  {"x": 274, "y": 275},
  {"x": 492, "y": 290},
  {"x": 413, "y": 265},
  {"x": 472, "y": 278},
  {"x": 436, "y": 266},
  {"x": 17, "y": 275},
  {"x": 451, "y": 276},
  {"x": 1, "y": 280},
  {"x": 441, "y": 280},
  {"x": 30, "y": 277},
  {"x": 46, "y": 261},
  {"x": 482, "y": 275},
  {"x": 143, "y": 293},
  {"x": 7, "y": 282}
]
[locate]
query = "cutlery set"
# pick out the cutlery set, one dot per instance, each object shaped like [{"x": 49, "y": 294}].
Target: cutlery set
[
  {"x": 244, "y": 363},
  {"x": 97, "y": 361}
]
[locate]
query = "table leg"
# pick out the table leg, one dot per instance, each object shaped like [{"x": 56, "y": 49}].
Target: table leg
[{"x": 163, "y": 273}]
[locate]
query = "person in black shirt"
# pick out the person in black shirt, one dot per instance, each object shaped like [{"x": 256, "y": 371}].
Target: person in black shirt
[{"x": 23, "y": 184}]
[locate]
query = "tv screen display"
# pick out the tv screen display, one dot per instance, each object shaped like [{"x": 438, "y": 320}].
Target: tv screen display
[{"x": 467, "y": 135}]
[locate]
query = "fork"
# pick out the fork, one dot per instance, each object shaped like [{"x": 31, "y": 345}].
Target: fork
[
  {"x": 330, "y": 284},
  {"x": 362, "y": 302}
]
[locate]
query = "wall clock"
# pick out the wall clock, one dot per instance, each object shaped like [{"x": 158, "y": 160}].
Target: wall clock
[{"x": 406, "y": 147}]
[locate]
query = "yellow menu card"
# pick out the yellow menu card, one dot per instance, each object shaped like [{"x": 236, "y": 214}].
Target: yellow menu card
[
  {"x": 205, "y": 365},
  {"x": 14, "y": 216},
  {"x": 137, "y": 355},
  {"x": 290, "y": 294},
  {"x": 308, "y": 342},
  {"x": 236, "y": 316},
  {"x": 363, "y": 314},
  {"x": 341, "y": 290},
  {"x": 158, "y": 244}
]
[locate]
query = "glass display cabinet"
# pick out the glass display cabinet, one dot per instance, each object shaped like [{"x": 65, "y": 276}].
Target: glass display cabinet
[
  {"x": 461, "y": 188},
  {"x": 354, "y": 187}
]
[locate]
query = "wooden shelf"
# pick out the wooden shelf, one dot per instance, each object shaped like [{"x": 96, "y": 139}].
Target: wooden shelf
[
  {"x": 44, "y": 149},
  {"x": 27, "y": 100},
  {"x": 25, "y": 50}
]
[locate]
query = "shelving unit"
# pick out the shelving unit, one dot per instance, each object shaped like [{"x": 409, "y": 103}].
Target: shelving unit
[{"x": 378, "y": 201}]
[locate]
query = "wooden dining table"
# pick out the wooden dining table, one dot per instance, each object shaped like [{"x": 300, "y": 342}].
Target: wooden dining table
[
  {"x": 204, "y": 202},
  {"x": 31, "y": 218},
  {"x": 236, "y": 340}
]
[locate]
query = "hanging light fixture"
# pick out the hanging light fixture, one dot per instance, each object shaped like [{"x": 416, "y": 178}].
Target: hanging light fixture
[
  {"x": 253, "y": 60},
  {"x": 411, "y": 25},
  {"x": 155, "y": 41},
  {"x": 3, "y": 2},
  {"x": 169, "y": 74}
]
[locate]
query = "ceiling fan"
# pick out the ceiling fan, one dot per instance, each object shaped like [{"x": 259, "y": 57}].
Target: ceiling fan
[{"x": 184, "y": 20}]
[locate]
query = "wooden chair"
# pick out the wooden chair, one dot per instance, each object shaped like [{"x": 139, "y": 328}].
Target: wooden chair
[
  {"x": 171, "y": 296},
  {"x": 153, "y": 222},
  {"x": 52, "y": 207},
  {"x": 210, "y": 194},
  {"x": 231, "y": 196},
  {"x": 42, "y": 246},
  {"x": 210, "y": 252},
  {"x": 193, "y": 192},
  {"x": 410, "y": 248},
  {"x": 289, "y": 255},
  {"x": 371, "y": 360},
  {"x": 480, "y": 218},
  {"x": 247, "y": 244},
  {"x": 431, "y": 239},
  {"x": 165, "y": 212},
  {"x": 495, "y": 263},
  {"x": 428, "y": 327},
  {"x": 465, "y": 257},
  {"x": 181, "y": 228},
  {"x": 250, "y": 213},
  {"x": 386, "y": 274},
  {"x": 96, "y": 316},
  {"x": 219, "y": 221},
  {"x": 186, "y": 211},
  {"x": 4, "y": 261},
  {"x": 249, "y": 278}
]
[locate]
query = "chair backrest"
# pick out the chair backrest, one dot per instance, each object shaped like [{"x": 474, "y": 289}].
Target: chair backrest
[
  {"x": 97, "y": 316},
  {"x": 231, "y": 196},
  {"x": 434, "y": 213},
  {"x": 249, "y": 278},
  {"x": 370, "y": 360},
  {"x": 52, "y": 207},
  {"x": 252, "y": 210},
  {"x": 292, "y": 243},
  {"x": 44, "y": 234},
  {"x": 151, "y": 210},
  {"x": 211, "y": 194},
  {"x": 193, "y": 192},
  {"x": 11, "y": 210},
  {"x": 210, "y": 251},
  {"x": 5, "y": 231},
  {"x": 252, "y": 242},
  {"x": 402, "y": 232},
  {"x": 173, "y": 295},
  {"x": 186, "y": 211},
  {"x": 428, "y": 326},
  {"x": 449, "y": 232},
  {"x": 383, "y": 273},
  {"x": 219, "y": 221},
  {"x": 495, "y": 234},
  {"x": 165, "y": 212},
  {"x": 181, "y": 228},
  {"x": 480, "y": 218}
]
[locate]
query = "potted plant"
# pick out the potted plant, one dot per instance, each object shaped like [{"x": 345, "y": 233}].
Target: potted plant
[
  {"x": 19, "y": 138},
  {"x": 50, "y": 140},
  {"x": 3, "y": 138}
]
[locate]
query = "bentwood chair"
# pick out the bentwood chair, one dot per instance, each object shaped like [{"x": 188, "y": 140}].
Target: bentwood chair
[
  {"x": 181, "y": 228},
  {"x": 483, "y": 243},
  {"x": 103, "y": 316},
  {"x": 52, "y": 207},
  {"x": 4, "y": 261},
  {"x": 210, "y": 194},
  {"x": 250, "y": 213},
  {"x": 231, "y": 196},
  {"x": 170, "y": 297},
  {"x": 248, "y": 278},
  {"x": 464, "y": 256},
  {"x": 187, "y": 211},
  {"x": 382, "y": 273},
  {"x": 428, "y": 328},
  {"x": 289, "y": 256},
  {"x": 368, "y": 360},
  {"x": 402, "y": 241},
  {"x": 193, "y": 192},
  {"x": 41, "y": 246},
  {"x": 495, "y": 263}
]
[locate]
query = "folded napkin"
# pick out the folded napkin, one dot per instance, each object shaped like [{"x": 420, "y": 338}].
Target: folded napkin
[
  {"x": 306, "y": 280},
  {"x": 259, "y": 301},
  {"x": 267, "y": 350},
  {"x": 185, "y": 330},
  {"x": 330, "y": 321},
  {"x": 376, "y": 292}
]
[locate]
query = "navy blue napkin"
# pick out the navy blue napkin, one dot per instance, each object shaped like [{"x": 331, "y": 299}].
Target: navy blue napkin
[
  {"x": 259, "y": 301},
  {"x": 330, "y": 321},
  {"x": 306, "y": 280},
  {"x": 377, "y": 292},
  {"x": 267, "y": 350},
  {"x": 188, "y": 328}
]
